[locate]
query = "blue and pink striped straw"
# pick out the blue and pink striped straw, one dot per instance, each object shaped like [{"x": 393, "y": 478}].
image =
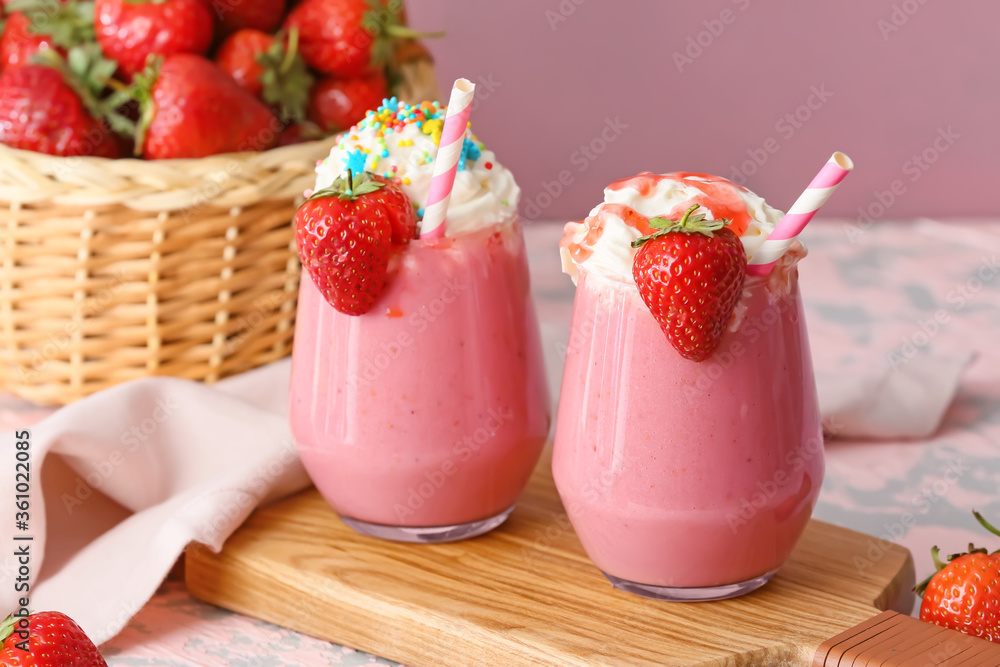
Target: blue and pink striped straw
[{"x": 799, "y": 215}]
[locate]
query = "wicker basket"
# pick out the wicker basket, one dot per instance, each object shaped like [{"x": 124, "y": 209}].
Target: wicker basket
[{"x": 120, "y": 269}]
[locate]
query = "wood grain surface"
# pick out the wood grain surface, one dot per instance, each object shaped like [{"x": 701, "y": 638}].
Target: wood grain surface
[{"x": 526, "y": 594}]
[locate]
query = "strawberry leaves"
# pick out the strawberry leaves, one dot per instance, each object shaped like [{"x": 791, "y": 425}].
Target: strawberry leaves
[
  {"x": 286, "y": 78},
  {"x": 7, "y": 627},
  {"x": 987, "y": 525},
  {"x": 384, "y": 22},
  {"x": 68, "y": 24},
  {"x": 350, "y": 187},
  {"x": 691, "y": 223},
  {"x": 89, "y": 74}
]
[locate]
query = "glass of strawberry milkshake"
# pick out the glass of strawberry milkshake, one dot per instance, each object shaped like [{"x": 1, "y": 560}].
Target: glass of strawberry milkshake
[
  {"x": 418, "y": 396},
  {"x": 688, "y": 447}
]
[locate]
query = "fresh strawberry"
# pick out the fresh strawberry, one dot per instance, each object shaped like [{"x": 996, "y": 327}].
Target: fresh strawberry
[
  {"x": 51, "y": 639},
  {"x": 192, "y": 109},
  {"x": 964, "y": 593},
  {"x": 130, "y": 31},
  {"x": 237, "y": 56},
  {"x": 45, "y": 24},
  {"x": 55, "y": 110},
  {"x": 345, "y": 239},
  {"x": 17, "y": 44},
  {"x": 269, "y": 66},
  {"x": 402, "y": 214},
  {"x": 690, "y": 274},
  {"x": 236, "y": 15},
  {"x": 349, "y": 37},
  {"x": 337, "y": 104},
  {"x": 299, "y": 133}
]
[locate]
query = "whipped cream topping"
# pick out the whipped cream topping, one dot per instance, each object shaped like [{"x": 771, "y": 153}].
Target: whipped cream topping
[
  {"x": 400, "y": 141},
  {"x": 603, "y": 242}
]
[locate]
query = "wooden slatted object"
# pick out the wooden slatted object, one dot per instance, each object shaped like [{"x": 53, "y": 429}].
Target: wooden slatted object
[{"x": 526, "y": 594}]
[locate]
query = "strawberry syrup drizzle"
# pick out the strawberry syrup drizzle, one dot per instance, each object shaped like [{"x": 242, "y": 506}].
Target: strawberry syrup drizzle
[
  {"x": 582, "y": 250},
  {"x": 720, "y": 196}
]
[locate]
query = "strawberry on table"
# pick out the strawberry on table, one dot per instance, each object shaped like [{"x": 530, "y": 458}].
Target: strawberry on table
[
  {"x": 337, "y": 104},
  {"x": 348, "y": 37},
  {"x": 964, "y": 592},
  {"x": 55, "y": 108},
  {"x": 55, "y": 640},
  {"x": 690, "y": 274},
  {"x": 345, "y": 237},
  {"x": 236, "y": 15},
  {"x": 270, "y": 67},
  {"x": 44, "y": 24},
  {"x": 130, "y": 31},
  {"x": 191, "y": 109}
]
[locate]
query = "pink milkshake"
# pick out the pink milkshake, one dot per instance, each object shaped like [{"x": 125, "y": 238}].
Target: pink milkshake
[
  {"x": 685, "y": 480},
  {"x": 422, "y": 419}
]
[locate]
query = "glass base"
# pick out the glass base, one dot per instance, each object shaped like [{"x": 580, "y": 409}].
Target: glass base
[
  {"x": 430, "y": 534},
  {"x": 675, "y": 594}
]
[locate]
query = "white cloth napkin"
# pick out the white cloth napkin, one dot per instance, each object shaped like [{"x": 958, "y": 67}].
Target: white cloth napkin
[
  {"x": 903, "y": 399},
  {"x": 122, "y": 481}
]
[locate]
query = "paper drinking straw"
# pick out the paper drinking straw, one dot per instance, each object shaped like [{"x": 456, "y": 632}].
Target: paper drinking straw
[
  {"x": 799, "y": 215},
  {"x": 446, "y": 163}
]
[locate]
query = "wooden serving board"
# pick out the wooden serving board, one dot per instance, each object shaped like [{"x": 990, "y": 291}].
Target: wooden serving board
[{"x": 526, "y": 594}]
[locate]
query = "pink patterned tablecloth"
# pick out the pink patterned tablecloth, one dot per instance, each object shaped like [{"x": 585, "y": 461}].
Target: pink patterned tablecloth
[{"x": 893, "y": 289}]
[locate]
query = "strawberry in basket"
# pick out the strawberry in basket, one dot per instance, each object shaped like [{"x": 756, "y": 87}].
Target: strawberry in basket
[
  {"x": 33, "y": 25},
  {"x": 55, "y": 108},
  {"x": 191, "y": 109},
  {"x": 337, "y": 104},
  {"x": 163, "y": 83},
  {"x": 130, "y": 31},
  {"x": 233, "y": 15},
  {"x": 349, "y": 38},
  {"x": 270, "y": 67}
]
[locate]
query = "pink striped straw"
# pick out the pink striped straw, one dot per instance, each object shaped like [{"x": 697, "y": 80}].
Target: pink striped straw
[
  {"x": 799, "y": 215},
  {"x": 446, "y": 163}
]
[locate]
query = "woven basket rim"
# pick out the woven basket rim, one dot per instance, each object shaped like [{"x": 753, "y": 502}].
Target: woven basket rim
[{"x": 289, "y": 150}]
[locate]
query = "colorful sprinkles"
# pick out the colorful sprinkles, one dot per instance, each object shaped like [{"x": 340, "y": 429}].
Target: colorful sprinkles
[
  {"x": 385, "y": 124},
  {"x": 470, "y": 151},
  {"x": 355, "y": 160}
]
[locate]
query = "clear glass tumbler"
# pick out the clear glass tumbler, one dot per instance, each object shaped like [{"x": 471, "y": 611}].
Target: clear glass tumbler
[
  {"x": 423, "y": 419},
  {"x": 688, "y": 480}
]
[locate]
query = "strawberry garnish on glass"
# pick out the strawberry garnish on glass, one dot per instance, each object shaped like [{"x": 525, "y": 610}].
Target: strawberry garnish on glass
[
  {"x": 690, "y": 273},
  {"x": 964, "y": 592},
  {"x": 346, "y": 235}
]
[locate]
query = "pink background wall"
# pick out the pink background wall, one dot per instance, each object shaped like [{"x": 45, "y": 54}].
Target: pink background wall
[{"x": 553, "y": 72}]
